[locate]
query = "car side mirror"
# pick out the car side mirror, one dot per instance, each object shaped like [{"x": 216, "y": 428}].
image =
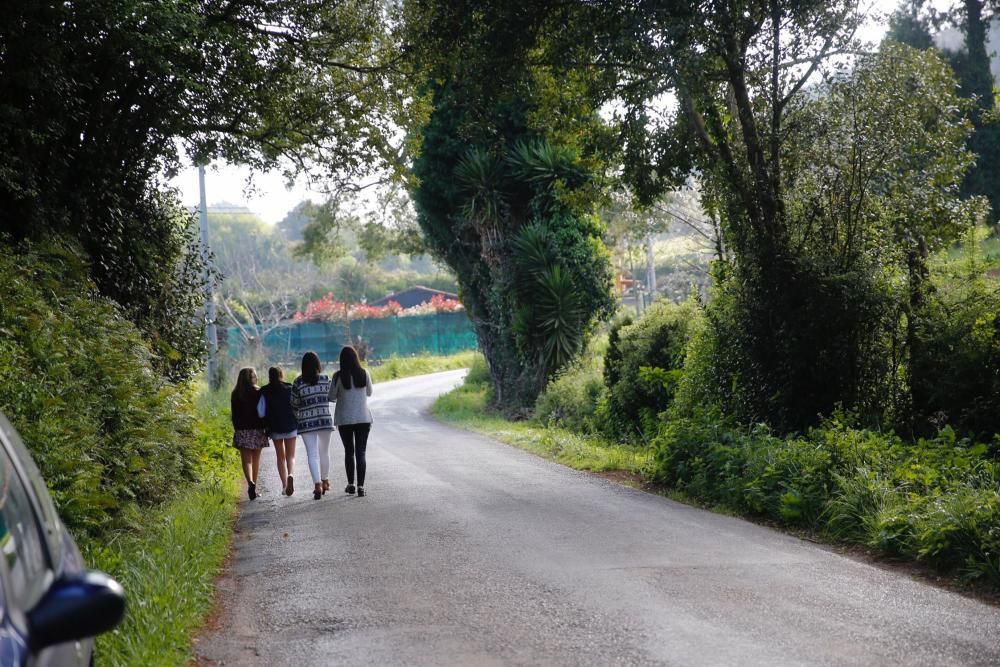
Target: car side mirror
[{"x": 75, "y": 607}]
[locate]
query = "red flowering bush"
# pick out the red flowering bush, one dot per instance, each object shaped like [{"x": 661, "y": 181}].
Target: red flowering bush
[
  {"x": 362, "y": 311},
  {"x": 327, "y": 309},
  {"x": 445, "y": 305}
]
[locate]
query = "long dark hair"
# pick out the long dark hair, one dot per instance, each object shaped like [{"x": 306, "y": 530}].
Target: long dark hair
[
  {"x": 275, "y": 375},
  {"x": 350, "y": 369},
  {"x": 311, "y": 367},
  {"x": 245, "y": 386}
]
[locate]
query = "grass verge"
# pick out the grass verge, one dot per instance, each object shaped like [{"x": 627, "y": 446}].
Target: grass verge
[
  {"x": 168, "y": 570},
  {"x": 468, "y": 407},
  {"x": 394, "y": 368},
  {"x": 935, "y": 502},
  {"x": 169, "y": 562}
]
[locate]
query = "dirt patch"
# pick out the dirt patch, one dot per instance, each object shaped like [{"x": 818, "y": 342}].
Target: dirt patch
[
  {"x": 626, "y": 477},
  {"x": 225, "y": 591}
]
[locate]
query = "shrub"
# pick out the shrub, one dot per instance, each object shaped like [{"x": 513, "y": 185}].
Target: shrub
[
  {"x": 572, "y": 397},
  {"x": 955, "y": 364},
  {"x": 479, "y": 372},
  {"x": 643, "y": 366},
  {"x": 77, "y": 380},
  {"x": 936, "y": 500}
]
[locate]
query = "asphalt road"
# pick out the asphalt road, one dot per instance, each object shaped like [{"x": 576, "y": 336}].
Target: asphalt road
[{"x": 467, "y": 551}]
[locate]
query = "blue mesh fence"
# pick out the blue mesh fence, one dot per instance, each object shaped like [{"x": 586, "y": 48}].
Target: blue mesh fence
[{"x": 441, "y": 333}]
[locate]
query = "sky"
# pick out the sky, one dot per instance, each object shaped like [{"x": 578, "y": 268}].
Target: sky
[{"x": 271, "y": 199}]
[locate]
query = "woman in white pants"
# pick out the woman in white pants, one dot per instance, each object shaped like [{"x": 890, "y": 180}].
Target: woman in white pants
[{"x": 310, "y": 400}]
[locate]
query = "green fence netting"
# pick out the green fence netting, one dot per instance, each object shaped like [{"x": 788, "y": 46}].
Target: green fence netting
[{"x": 441, "y": 333}]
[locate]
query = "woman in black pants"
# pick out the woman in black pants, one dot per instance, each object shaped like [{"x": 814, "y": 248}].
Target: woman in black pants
[{"x": 349, "y": 389}]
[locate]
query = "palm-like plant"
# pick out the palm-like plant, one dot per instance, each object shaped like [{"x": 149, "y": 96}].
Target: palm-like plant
[
  {"x": 481, "y": 178},
  {"x": 552, "y": 316},
  {"x": 542, "y": 164}
]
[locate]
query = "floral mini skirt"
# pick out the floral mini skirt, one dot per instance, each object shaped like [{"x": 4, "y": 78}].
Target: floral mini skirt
[{"x": 250, "y": 438}]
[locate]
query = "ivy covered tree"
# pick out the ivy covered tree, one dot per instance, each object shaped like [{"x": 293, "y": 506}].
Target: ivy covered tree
[
  {"x": 515, "y": 221},
  {"x": 506, "y": 186}
]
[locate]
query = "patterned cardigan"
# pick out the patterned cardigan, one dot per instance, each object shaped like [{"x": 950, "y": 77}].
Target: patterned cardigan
[{"x": 312, "y": 405}]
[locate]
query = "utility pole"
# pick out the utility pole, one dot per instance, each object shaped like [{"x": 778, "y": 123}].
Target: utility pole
[
  {"x": 650, "y": 269},
  {"x": 210, "y": 335}
]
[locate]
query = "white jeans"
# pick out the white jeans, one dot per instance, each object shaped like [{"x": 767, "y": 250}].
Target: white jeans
[{"x": 318, "y": 452}]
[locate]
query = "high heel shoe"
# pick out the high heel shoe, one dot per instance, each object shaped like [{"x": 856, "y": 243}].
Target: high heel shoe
[
  {"x": 289, "y": 487},
  {"x": 318, "y": 492},
  {"x": 326, "y": 485},
  {"x": 251, "y": 490}
]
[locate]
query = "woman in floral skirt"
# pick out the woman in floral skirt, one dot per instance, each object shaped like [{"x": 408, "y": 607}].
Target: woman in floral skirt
[{"x": 249, "y": 435}]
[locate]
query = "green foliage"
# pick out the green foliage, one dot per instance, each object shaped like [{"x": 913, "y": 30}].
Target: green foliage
[
  {"x": 401, "y": 367},
  {"x": 97, "y": 98},
  {"x": 934, "y": 500},
  {"x": 549, "y": 322},
  {"x": 643, "y": 366},
  {"x": 169, "y": 561},
  {"x": 533, "y": 272},
  {"x": 479, "y": 373},
  {"x": 468, "y": 406},
  {"x": 110, "y": 436},
  {"x": 956, "y": 368},
  {"x": 169, "y": 569},
  {"x": 571, "y": 399}
]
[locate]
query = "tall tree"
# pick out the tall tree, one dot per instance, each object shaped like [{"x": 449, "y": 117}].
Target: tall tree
[
  {"x": 738, "y": 71},
  {"x": 796, "y": 328},
  {"x": 915, "y": 23},
  {"x": 976, "y": 79},
  {"x": 98, "y": 98},
  {"x": 505, "y": 187}
]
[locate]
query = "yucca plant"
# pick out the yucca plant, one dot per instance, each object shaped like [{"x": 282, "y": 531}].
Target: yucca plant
[
  {"x": 552, "y": 316},
  {"x": 481, "y": 179},
  {"x": 543, "y": 164}
]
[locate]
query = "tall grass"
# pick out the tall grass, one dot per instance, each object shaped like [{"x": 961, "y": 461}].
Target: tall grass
[
  {"x": 169, "y": 562},
  {"x": 168, "y": 570},
  {"x": 394, "y": 368}
]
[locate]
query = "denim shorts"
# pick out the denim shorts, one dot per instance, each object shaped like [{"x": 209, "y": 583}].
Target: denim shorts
[{"x": 283, "y": 436}]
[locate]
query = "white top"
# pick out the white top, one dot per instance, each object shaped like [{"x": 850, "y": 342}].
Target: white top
[{"x": 352, "y": 404}]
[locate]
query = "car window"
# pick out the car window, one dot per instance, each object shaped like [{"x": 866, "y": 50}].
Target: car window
[
  {"x": 21, "y": 543},
  {"x": 50, "y": 518}
]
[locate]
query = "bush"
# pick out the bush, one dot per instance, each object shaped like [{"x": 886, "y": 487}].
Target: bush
[
  {"x": 792, "y": 341},
  {"x": 479, "y": 372},
  {"x": 936, "y": 500},
  {"x": 955, "y": 365},
  {"x": 643, "y": 366},
  {"x": 571, "y": 399},
  {"x": 77, "y": 380}
]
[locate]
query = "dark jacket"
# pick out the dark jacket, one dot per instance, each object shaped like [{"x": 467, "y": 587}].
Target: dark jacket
[
  {"x": 245, "y": 412},
  {"x": 278, "y": 414}
]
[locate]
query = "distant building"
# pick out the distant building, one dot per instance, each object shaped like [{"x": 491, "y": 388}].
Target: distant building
[{"x": 413, "y": 296}]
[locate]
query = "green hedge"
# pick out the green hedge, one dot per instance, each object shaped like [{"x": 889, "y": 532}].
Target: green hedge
[
  {"x": 76, "y": 379},
  {"x": 935, "y": 501}
]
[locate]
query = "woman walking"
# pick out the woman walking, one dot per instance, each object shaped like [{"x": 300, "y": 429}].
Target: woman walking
[
  {"x": 310, "y": 400},
  {"x": 275, "y": 407},
  {"x": 350, "y": 388},
  {"x": 248, "y": 428}
]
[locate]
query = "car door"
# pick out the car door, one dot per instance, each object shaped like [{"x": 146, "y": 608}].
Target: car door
[{"x": 26, "y": 551}]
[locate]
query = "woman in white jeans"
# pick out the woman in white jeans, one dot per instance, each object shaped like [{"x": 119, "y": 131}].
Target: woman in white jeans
[{"x": 310, "y": 400}]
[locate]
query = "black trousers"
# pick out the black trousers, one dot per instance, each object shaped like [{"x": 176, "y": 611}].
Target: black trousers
[{"x": 355, "y": 439}]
